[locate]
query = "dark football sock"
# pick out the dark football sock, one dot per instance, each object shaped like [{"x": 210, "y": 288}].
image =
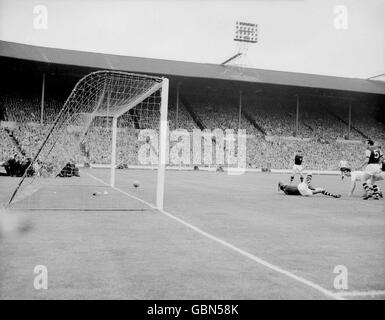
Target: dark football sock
[
  {"x": 326, "y": 193},
  {"x": 367, "y": 188}
]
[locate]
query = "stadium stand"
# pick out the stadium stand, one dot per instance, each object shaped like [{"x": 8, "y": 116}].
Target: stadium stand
[
  {"x": 21, "y": 108},
  {"x": 322, "y": 133},
  {"x": 368, "y": 124},
  {"x": 184, "y": 120},
  {"x": 279, "y": 153},
  {"x": 276, "y": 118},
  {"x": 216, "y": 112},
  {"x": 323, "y": 124},
  {"x": 7, "y": 148}
]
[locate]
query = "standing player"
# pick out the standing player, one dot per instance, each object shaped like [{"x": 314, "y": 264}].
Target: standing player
[
  {"x": 344, "y": 168},
  {"x": 304, "y": 189},
  {"x": 383, "y": 165},
  {"x": 84, "y": 151},
  {"x": 359, "y": 176},
  {"x": 297, "y": 167},
  {"x": 373, "y": 158}
]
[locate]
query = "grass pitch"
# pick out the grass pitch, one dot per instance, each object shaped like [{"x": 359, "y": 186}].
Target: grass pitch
[{"x": 202, "y": 247}]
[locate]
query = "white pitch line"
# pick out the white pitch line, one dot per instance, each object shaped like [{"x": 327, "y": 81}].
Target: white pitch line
[
  {"x": 361, "y": 293},
  {"x": 121, "y": 191},
  {"x": 268, "y": 265}
]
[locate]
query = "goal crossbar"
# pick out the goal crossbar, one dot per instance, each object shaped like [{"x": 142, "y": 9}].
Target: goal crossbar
[{"x": 138, "y": 100}]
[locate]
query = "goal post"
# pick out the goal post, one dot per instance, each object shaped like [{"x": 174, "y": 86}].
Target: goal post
[
  {"x": 113, "y": 150},
  {"x": 162, "y": 145},
  {"x": 133, "y": 101}
]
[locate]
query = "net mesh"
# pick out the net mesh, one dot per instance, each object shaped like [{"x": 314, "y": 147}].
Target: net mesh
[{"x": 82, "y": 130}]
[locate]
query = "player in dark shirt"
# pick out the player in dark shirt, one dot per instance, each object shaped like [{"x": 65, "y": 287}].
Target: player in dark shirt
[
  {"x": 10, "y": 166},
  {"x": 297, "y": 167},
  {"x": 373, "y": 160},
  {"x": 298, "y": 159},
  {"x": 288, "y": 189}
]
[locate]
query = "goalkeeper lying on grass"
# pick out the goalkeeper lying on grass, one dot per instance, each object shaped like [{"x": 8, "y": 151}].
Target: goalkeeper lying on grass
[{"x": 304, "y": 189}]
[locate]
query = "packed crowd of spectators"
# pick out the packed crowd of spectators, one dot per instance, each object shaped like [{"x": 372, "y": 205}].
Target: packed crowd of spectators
[
  {"x": 366, "y": 122},
  {"x": 279, "y": 119},
  {"x": 276, "y": 118},
  {"x": 274, "y": 153},
  {"x": 7, "y": 148},
  {"x": 184, "y": 119},
  {"x": 325, "y": 125},
  {"x": 318, "y": 129},
  {"x": 223, "y": 115},
  {"x": 29, "y": 136},
  {"x": 279, "y": 153},
  {"x": 28, "y": 108}
]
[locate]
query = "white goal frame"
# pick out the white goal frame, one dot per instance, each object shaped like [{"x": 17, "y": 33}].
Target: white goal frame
[
  {"x": 163, "y": 133},
  {"x": 63, "y": 120}
]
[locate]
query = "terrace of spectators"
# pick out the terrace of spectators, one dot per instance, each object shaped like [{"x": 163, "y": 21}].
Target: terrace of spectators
[{"x": 322, "y": 131}]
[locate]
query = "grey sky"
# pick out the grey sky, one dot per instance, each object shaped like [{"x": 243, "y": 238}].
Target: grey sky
[{"x": 294, "y": 35}]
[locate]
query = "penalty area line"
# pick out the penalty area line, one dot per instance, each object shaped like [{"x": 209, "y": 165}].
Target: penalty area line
[{"x": 326, "y": 292}]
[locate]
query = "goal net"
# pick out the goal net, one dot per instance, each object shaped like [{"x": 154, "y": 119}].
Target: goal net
[{"x": 100, "y": 124}]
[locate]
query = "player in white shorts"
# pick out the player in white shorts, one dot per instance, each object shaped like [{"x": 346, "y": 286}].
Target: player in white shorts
[
  {"x": 359, "y": 176},
  {"x": 304, "y": 189}
]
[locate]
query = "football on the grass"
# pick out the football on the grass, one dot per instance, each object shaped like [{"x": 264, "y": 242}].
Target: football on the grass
[{"x": 136, "y": 184}]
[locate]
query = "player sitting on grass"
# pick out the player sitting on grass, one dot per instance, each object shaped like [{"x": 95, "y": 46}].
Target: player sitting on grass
[
  {"x": 304, "y": 189},
  {"x": 297, "y": 167}
]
